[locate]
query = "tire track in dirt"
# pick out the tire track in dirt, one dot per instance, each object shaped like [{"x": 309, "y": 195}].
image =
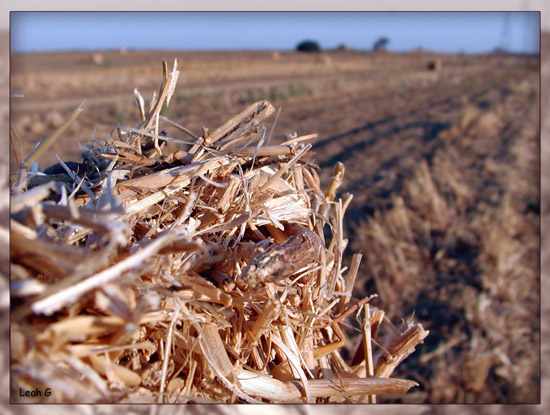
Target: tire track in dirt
[{"x": 381, "y": 152}]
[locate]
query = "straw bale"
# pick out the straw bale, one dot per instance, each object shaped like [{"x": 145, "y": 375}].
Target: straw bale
[{"x": 202, "y": 275}]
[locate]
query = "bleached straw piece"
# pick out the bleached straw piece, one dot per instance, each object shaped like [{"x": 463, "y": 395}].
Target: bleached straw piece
[
  {"x": 265, "y": 151},
  {"x": 327, "y": 349},
  {"x": 285, "y": 168},
  {"x": 398, "y": 348},
  {"x": 173, "y": 76},
  {"x": 83, "y": 350},
  {"x": 205, "y": 291},
  {"x": 189, "y": 381},
  {"x": 217, "y": 352},
  {"x": 276, "y": 391},
  {"x": 336, "y": 181},
  {"x": 65, "y": 296},
  {"x": 350, "y": 281},
  {"x": 229, "y": 194},
  {"x": 259, "y": 145},
  {"x": 100, "y": 221},
  {"x": 239, "y": 220},
  {"x": 115, "y": 372},
  {"x": 367, "y": 340},
  {"x": 299, "y": 139},
  {"x": 167, "y": 351},
  {"x": 52, "y": 258},
  {"x": 338, "y": 250},
  {"x": 287, "y": 336},
  {"x": 310, "y": 180},
  {"x": 295, "y": 362},
  {"x": 140, "y": 205},
  {"x": 273, "y": 126},
  {"x": 242, "y": 122},
  {"x": 347, "y": 201},
  {"x": 266, "y": 387},
  {"x": 163, "y": 94},
  {"x": 140, "y": 104},
  {"x": 270, "y": 313},
  {"x": 179, "y": 175},
  {"x": 351, "y": 387},
  {"x": 79, "y": 327},
  {"x": 289, "y": 208},
  {"x": 87, "y": 372},
  {"x": 217, "y": 362},
  {"x": 31, "y": 197}
]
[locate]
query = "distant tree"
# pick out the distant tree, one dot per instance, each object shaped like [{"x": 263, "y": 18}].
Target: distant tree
[
  {"x": 308, "y": 46},
  {"x": 381, "y": 43}
]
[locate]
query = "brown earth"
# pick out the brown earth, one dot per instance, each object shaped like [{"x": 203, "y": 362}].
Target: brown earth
[{"x": 443, "y": 165}]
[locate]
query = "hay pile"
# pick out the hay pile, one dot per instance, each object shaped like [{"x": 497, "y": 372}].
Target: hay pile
[{"x": 203, "y": 275}]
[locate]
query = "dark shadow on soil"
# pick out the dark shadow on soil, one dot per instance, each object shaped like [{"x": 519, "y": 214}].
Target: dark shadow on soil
[{"x": 431, "y": 131}]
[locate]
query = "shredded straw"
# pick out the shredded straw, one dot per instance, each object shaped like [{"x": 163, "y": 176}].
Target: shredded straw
[{"x": 202, "y": 275}]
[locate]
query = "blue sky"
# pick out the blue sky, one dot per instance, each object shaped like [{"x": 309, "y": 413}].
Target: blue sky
[{"x": 470, "y": 32}]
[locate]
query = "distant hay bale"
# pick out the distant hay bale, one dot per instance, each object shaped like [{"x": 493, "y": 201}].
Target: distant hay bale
[
  {"x": 98, "y": 58},
  {"x": 198, "y": 276},
  {"x": 435, "y": 65},
  {"x": 30, "y": 81},
  {"x": 23, "y": 122},
  {"x": 54, "y": 119},
  {"x": 36, "y": 127},
  {"x": 276, "y": 55}
]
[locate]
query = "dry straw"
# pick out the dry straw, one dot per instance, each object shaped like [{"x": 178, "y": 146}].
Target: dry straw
[{"x": 197, "y": 276}]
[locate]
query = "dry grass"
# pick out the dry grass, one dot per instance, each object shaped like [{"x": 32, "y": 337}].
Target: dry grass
[
  {"x": 211, "y": 274},
  {"x": 462, "y": 260}
]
